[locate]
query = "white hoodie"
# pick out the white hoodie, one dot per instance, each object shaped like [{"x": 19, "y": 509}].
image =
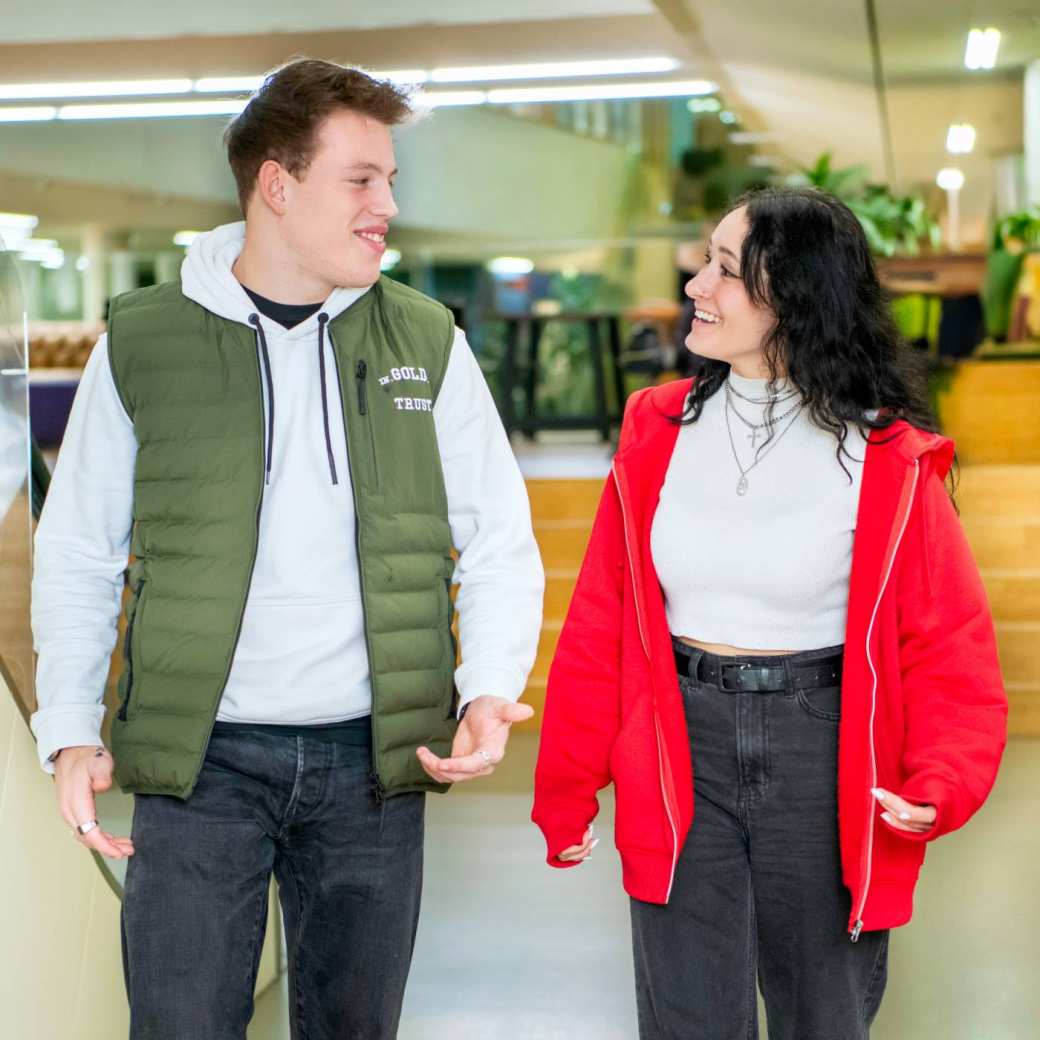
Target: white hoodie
[{"x": 301, "y": 655}]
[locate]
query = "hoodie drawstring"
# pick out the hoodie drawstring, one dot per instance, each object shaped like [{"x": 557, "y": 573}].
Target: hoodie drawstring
[
  {"x": 322, "y": 321},
  {"x": 254, "y": 320}
]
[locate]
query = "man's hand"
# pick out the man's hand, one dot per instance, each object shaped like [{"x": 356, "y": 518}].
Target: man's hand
[
  {"x": 78, "y": 773},
  {"x": 480, "y": 742}
]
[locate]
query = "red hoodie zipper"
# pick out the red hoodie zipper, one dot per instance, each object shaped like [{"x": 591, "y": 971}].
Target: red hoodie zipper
[
  {"x": 906, "y": 503},
  {"x": 663, "y": 771}
]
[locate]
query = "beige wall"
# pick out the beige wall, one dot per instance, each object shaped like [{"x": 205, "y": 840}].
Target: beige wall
[{"x": 60, "y": 962}]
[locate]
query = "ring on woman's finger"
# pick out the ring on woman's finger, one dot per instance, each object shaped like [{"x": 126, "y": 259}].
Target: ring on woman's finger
[{"x": 485, "y": 756}]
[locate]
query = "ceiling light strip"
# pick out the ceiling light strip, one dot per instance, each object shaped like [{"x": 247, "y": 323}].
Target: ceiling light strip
[
  {"x": 554, "y": 70},
  {"x": 153, "y": 109},
  {"x": 597, "y": 92},
  {"x": 104, "y": 88}
]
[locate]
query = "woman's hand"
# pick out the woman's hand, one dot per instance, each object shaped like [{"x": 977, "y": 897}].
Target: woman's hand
[
  {"x": 577, "y": 853},
  {"x": 901, "y": 815}
]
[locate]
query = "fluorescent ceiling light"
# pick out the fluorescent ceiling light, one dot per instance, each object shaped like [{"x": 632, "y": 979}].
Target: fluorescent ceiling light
[
  {"x": 981, "y": 50},
  {"x": 16, "y": 229},
  {"x": 154, "y": 109},
  {"x": 705, "y": 104},
  {"x": 751, "y": 137},
  {"x": 727, "y": 117},
  {"x": 83, "y": 263},
  {"x": 510, "y": 265},
  {"x": 390, "y": 259},
  {"x": 106, "y": 88},
  {"x": 228, "y": 84},
  {"x": 441, "y": 98},
  {"x": 250, "y": 84},
  {"x": 185, "y": 238},
  {"x": 606, "y": 91},
  {"x": 18, "y": 221},
  {"x": 960, "y": 138},
  {"x": 554, "y": 70},
  {"x": 37, "y": 114},
  {"x": 950, "y": 179},
  {"x": 403, "y": 75},
  {"x": 43, "y": 251}
]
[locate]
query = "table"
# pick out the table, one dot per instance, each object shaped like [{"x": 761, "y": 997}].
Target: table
[{"x": 524, "y": 333}]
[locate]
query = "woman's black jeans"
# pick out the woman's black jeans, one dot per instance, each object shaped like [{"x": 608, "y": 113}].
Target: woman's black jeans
[
  {"x": 349, "y": 872},
  {"x": 758, "y": 888}
]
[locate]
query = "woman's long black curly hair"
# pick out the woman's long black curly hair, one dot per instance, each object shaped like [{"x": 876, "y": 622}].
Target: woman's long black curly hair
[{"x": 806, "y": 258}]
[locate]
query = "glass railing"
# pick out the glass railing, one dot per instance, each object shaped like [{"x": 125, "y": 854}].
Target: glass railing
[{"x": 24, "y": 477}]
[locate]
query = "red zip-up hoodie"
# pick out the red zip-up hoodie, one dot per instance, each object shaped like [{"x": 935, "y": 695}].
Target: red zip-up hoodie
[{"x": 923, "y": 708}]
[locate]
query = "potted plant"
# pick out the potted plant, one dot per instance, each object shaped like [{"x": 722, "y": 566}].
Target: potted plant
[
  {"x": 892, "y": 223},
  {"x": 1013, "y": 237}
]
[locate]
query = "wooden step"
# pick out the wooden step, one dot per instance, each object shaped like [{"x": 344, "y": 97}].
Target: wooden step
[
  {"x": 562, "y": 543},
  {"x": 1014, "y": 595},
  {"x": 1017, "y": 644},
  {"x": 559, "y": 587},
  {"x": 1004, "y": 543},
  {"x": 563, "y": 499},
  {"x": 1023, "y": 710},
  {"x": 992, "y": 411},
  {"x": 999, "y": 492}
]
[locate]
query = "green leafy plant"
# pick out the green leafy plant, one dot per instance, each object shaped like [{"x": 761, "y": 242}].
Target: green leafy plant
[
  {"x": 1013, "y": 237},
  {"x": 1018, "y": 232},
  {"x": 892, "y": 223}
]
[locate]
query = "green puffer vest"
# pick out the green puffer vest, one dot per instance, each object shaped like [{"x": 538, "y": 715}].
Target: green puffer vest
[{"x": 191, "y": 383}]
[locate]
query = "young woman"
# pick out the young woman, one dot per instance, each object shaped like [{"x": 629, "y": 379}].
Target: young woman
[{"x": 779, "y": 648}]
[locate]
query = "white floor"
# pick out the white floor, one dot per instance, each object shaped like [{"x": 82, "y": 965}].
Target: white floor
[
  {"x": 568, "y": 455},
  {"x": 511, "y": 950}
]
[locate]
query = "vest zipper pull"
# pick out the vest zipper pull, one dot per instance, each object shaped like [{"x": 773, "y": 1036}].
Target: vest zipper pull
[
  {"x": 361, "y": 373},
  {"x": 857, "y": 928}
]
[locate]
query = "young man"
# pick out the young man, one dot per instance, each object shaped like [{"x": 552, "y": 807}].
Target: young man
[{"x": 291, "y": 478}]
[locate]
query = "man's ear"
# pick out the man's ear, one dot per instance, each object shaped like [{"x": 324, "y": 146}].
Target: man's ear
[{"x": 272, "y": 182}]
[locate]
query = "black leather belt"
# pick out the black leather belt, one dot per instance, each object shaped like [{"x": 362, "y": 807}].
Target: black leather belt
[{"x": 748, "y": 675}]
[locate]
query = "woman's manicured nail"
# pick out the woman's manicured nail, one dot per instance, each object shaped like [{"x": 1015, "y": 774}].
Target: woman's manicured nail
[
  {"x": 904, "y": 816},
  {"x": 878, "y": 793},
  {"x": 887, "y": 817}
]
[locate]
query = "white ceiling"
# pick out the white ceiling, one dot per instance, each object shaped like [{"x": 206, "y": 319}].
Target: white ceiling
[{"x": 71, "y": 20}]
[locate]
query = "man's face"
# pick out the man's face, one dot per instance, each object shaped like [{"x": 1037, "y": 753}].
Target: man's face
[{"x": 339, "y": 211}]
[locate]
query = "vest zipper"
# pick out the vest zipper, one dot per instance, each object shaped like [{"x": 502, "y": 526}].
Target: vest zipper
[
  {"x": 377, "y": 784},
  {"x": 661, "y": 753},
  {"x": 242, "y": 612},
  {"x": 128, "y": 655},
  {"x": 857, "y": 926},
  {"x": 361, "y": 376},
  {"x": 362, "y": 394}
]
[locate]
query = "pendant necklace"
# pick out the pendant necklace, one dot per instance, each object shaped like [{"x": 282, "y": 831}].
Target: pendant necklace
[{"x": 762, "y": 451}]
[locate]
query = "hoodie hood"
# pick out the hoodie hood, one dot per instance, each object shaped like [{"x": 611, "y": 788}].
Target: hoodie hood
[{"x": 207, "y": 280}]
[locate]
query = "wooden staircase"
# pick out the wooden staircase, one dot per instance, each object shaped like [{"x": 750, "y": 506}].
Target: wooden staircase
[{"x": 1000, "y": 511}]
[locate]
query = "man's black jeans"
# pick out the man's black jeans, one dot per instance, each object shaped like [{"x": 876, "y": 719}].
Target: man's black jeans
[
  {"x": 758, "y": 885},
  {"x": 349, "y": 871}
]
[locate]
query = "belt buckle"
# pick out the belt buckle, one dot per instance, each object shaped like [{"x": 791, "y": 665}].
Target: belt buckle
[{"x": 737, "y": 668}]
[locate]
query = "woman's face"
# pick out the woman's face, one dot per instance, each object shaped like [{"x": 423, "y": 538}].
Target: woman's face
[{"x": 727, "y": 325}]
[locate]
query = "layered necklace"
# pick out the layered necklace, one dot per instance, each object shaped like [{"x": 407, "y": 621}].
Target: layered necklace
[{"x": 765, "y": 429}]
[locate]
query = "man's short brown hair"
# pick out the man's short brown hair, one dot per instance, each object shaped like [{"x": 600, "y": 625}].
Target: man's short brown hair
[{"x": 282, "y": 118}]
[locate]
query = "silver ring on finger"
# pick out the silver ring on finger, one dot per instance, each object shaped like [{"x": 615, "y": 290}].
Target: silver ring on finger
[
  {"x": 485, "y": 756},
  {"x": 86, "y": 828}
]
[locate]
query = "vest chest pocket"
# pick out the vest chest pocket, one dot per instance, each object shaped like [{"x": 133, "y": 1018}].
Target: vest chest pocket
[{"x": 127, "y": 681}]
